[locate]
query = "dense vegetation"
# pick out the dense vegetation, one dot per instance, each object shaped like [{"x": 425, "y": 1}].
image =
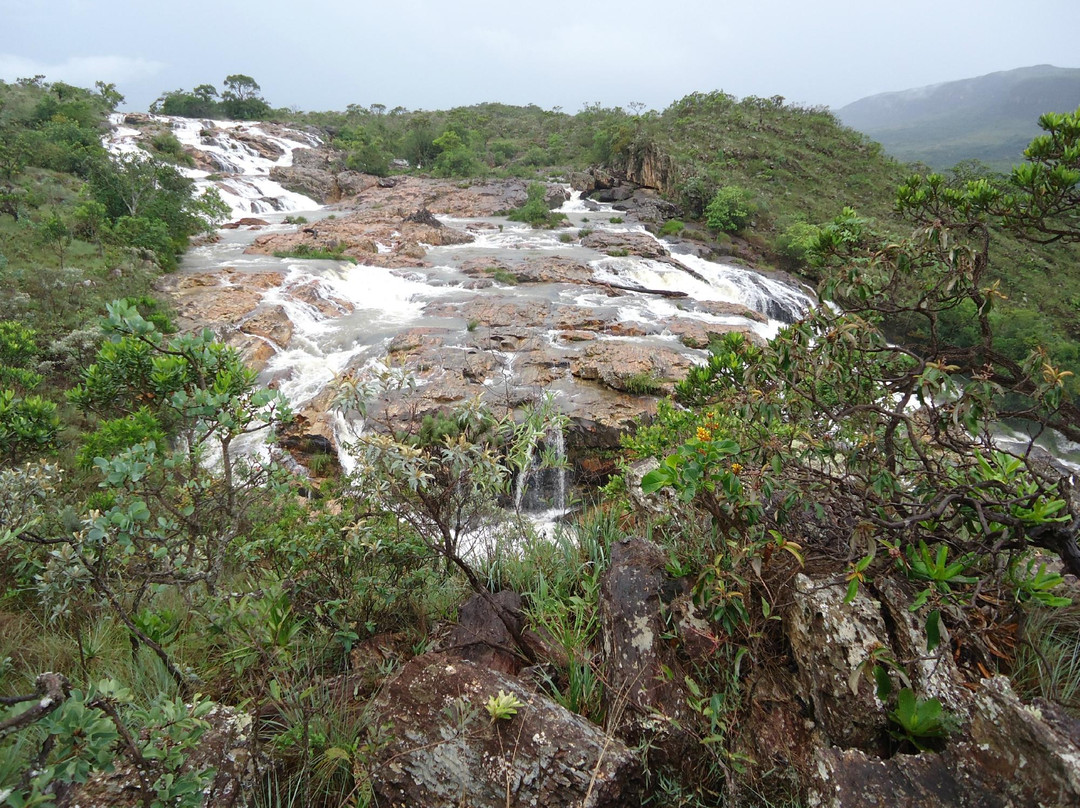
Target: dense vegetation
[{"x": 160, "y": 569}]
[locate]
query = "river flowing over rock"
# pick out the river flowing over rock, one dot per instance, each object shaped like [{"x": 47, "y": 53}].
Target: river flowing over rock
[{"x": 424, "y": 275}]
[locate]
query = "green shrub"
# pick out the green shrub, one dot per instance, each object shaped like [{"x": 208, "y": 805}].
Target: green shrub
[
  {"x": 166, "y": 146},
  {"x": 535, "y": 211},
  {"x": 117, "y": 434},
  {"x": 796, "y": 242},
  {"x": 308, "y": 252},
  {"x": 27, "y": 424},
  {"x": 672, "y": 227},
  {"x": 616, "y": 220},
  {"x": 730, "y": 209}
]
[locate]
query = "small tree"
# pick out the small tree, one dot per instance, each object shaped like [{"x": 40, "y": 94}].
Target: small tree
[
  {"x": 241, "y": 99},
  {"x": 54, "y": 232},
  {"x": 172, "y": 513},
  {"x": 444, "y": 476},
  {"x": 730, "y": 209}
]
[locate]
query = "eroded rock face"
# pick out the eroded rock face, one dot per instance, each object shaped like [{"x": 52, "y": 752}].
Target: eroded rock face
[
  {"x": 831, "y": 641},
  {"x": 637, "y": 596},
  {"x": 1007, "y": 755},
  {"x": 444, "y": 748}
]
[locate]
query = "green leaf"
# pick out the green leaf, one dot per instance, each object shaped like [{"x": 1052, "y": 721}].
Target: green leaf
[
  {"x": 884, "y": 683},
  {"x": 655, "y": 480},
  {"x": 852, "y": 590},
  {"x": 933, "y": 630}
]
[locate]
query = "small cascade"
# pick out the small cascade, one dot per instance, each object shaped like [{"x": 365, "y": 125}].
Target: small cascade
[
  {"x": 241, "y": 153},
  {"x": 542, "y": 487},
  {"x": 778, "y": 301}
]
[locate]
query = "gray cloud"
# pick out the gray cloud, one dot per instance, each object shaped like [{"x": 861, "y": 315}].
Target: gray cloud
[
  {"x": 81, "y": 71},
  {"x": 436, "y": 54}
]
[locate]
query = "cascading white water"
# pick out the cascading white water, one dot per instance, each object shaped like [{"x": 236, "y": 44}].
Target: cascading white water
[
  {"x": 350, "y": 313},
  {"x": 541, "y": 486},
  {"x": 242, "y": 173}
]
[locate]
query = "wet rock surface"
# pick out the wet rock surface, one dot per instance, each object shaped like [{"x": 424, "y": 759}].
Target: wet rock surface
[{"x": 510, "y": 324}]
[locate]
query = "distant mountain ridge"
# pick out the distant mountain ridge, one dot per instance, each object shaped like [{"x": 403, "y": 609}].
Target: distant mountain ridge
[{"x": 990, "y": 118}]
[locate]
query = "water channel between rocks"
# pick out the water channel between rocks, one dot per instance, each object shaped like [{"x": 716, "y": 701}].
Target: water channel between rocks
[{"x": 575, "y": 329}]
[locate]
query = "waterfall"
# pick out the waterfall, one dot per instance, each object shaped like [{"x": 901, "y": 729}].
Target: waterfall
[{"x": 541, "y": 484}]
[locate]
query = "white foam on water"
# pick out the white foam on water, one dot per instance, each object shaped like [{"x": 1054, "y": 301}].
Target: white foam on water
[{"x": 242, "y": 173}]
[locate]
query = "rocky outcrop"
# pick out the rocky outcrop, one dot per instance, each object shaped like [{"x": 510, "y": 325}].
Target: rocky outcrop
[
  {"x": 648, "y": 206},
  {"x": 370, "y": 237},
  {"x": 1008, "y": 755},
  {"x": 625, "y": 243},
  {"x": 444, "y": 749},
  {"x": 640, "y": 605},
  {"x": 832, "y": 643}
]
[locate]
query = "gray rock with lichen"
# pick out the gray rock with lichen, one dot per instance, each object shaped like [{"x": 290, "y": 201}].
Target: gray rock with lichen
[{"x": 443, "y": 749}]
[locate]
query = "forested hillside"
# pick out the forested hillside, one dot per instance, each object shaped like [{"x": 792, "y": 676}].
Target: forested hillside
[{"x": 990, "y": 118}]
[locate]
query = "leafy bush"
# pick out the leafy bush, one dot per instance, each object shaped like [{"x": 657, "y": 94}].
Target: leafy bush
[
  {"x": 796, "y": 243},
  {"x": 672, "y": 227},
  {"x": 117, "y": 434},
  {"x": 166, "y": 146},
  {"x": 535, "y": 211},
  {"x": 455, "y": 159},
  {"x": 730, "y": 209}
]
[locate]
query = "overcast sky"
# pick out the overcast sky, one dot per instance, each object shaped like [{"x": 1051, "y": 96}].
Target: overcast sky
[{"x": 428, "y": 54}]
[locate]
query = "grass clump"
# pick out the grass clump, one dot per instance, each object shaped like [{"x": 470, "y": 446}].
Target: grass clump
[
  {"x": 307, "y": 252},
  {"x": 504, "y": 276},
  {"x": 672, "y": 227},
  {"x": 643, "y": 384}
]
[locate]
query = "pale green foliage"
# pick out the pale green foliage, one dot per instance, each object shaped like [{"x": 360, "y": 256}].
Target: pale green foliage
[
  {"x": 444, "y": 481},
  {"x": 504, "y": 706}
]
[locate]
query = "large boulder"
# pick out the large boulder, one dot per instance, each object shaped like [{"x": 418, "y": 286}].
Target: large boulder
[
  {"x": 832, "y": 643},
  {"x": 443, "y": 749}
]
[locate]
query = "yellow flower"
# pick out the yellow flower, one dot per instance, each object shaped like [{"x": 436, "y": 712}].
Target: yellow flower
[
  {"x": 703, "y": 434},
  {"x": 736, "y": 468}
]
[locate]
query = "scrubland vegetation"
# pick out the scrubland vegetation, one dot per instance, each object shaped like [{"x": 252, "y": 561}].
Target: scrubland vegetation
[{"x": 160, "y": 571}]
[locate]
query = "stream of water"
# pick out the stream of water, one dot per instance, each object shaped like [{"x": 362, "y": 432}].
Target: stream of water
[{"x": 384, "y": 301}]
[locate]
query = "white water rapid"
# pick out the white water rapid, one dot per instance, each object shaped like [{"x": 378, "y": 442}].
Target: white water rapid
[
  {"x": 342, "y": 317},
  {"x": 235, "y": 157}
]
